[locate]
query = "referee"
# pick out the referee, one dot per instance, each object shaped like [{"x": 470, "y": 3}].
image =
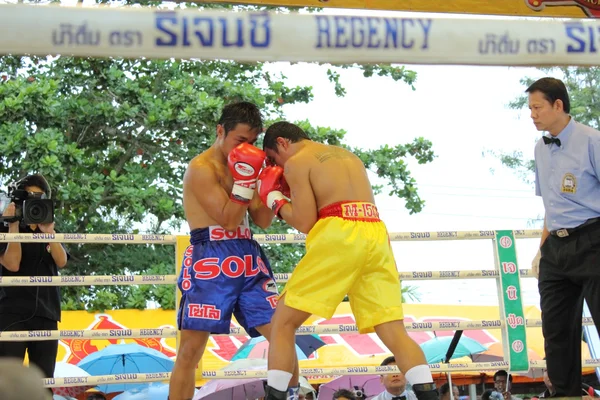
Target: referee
[{"x": 567, "y": 171}]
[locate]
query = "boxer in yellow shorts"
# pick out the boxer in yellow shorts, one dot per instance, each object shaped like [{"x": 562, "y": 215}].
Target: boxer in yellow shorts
[
  {"x": 324, "y": 191},
  {"x": 348, "y": 252}
]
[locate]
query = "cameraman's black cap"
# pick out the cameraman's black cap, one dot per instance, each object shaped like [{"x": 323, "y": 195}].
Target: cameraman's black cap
[{"x": 35, "y": 180}]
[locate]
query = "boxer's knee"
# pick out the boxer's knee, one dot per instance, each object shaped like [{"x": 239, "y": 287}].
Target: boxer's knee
[
  {"x": 191, "y": 347},
  {"x": 288, "y": 318}
]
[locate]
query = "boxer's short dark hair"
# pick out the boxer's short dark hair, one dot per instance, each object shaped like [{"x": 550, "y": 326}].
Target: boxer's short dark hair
[
  {"x": 242, "y": 112},
  {"x": 284, "y": 130}
]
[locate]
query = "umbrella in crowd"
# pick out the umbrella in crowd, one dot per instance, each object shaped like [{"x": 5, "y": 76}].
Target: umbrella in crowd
[
  {"x": 232, "y": 389},
  {"x": 258, "y": 347},
  {"x": 125, "y": 359},
  {"x": 66, "y": 370},
  {"x": 155, "y": 391},
  {"x": 435, "y": 349}
]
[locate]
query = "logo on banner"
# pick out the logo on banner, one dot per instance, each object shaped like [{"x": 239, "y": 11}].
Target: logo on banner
[
  {"x": 590, "y": 7},
  {"x": 505, "y": 242},
  {"x": 517, "y": 346},
  {"x": 78, "y": 349}
]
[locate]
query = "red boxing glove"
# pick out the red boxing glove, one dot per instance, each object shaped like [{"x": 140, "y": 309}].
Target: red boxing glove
[
  {"x": 270, "y": 187},
  {"x": 245, "y": 162},
  {"x": 285, "y": 188}
]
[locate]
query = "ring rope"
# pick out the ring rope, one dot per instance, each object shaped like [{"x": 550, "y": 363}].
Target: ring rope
[
  {"x": 293, "y": 37},
  {"x": 261, "y": 374},
  {"x": 278, "y": 238},
  {"x": 325, "y": 329},
  {"x": 125, "y": 280}
]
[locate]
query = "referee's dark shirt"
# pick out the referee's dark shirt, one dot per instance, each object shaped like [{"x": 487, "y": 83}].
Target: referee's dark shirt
[{"x": 36, "y": 260}]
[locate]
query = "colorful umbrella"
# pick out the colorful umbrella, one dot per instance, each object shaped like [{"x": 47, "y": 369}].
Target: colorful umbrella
[
  {"x": 66, "y": 370},
  {"x": 125, "y": 359},
  {"x": 231, "y": 389},
  {"x": 156, "y": 391},
  {"x": 435, "y": 349},
  {"x": 258, "y": 347},
  {"x": 495, "y": 352}
]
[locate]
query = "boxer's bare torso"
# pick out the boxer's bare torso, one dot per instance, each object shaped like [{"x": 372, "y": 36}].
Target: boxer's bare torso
[
  {"x": 335, "y": 174},
  {"x": 211, "y": 168}
]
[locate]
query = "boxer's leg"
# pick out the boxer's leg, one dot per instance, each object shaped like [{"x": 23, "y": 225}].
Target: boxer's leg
[
  {"x": 265, "y": 331},
  {"x": 317, "y": 286},
  {"x": 282, "y": 349},
  {"x": 376, "y": 301},
  {"x": 183, "y": 377}
]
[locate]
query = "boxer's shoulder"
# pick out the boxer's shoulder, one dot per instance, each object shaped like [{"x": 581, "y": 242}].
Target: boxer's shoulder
[{"x": 205, "y": 167}]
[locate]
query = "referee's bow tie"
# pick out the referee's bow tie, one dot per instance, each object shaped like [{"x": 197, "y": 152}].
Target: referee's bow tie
[
  {"x": 399, "y": 398},
  {"x": 548, "y": 140}
]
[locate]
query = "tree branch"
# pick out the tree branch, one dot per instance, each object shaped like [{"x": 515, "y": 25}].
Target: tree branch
[{"x": 118, "y": 168}]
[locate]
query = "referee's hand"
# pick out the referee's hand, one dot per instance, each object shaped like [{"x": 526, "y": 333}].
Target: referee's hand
[{"x": 535, "y": 264}]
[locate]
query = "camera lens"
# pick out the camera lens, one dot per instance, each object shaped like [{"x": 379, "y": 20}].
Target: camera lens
[{"x": 38, "y": 211}]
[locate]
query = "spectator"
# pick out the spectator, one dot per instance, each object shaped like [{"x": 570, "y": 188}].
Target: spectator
[
  {"x": 486, "y": 394},
  {"x": 18, "y": 382},
  {"x": 445, "y": 392},
  {"x": 503, "y": 385},
  {"x": 344, "y": 394},
  {"x": 395, "y": 385},
  {"x": 96, "y": 396},
  {"x": 30, "y": 308}
]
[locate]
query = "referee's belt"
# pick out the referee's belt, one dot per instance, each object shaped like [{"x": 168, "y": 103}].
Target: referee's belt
[{"x": 564, "y": 232}]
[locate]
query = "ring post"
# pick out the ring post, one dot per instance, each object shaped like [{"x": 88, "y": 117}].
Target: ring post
[{"x": 514, "y": 339}]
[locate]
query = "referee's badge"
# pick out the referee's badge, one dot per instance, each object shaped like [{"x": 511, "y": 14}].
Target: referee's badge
[{"x": 569, "y": 184}]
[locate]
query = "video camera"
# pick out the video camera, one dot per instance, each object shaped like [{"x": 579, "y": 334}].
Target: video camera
[{"x": 31, "y": 208}]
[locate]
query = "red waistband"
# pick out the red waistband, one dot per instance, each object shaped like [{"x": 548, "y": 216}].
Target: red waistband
[{"x": 351, "y": 210}]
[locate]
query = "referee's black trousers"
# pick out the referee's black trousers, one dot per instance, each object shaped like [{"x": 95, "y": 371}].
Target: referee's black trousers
[{"x": 569, "y": 272}]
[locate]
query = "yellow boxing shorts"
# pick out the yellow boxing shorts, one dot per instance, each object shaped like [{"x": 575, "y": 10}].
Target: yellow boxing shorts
[{"x": 348, "y": 251}]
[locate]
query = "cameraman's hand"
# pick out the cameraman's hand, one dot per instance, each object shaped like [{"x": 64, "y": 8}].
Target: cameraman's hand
[
  {"x": 47, "y": 228},
  {"x": 10, "y": 211}
]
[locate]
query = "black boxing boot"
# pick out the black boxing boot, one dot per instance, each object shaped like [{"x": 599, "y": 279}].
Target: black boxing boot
[
  {"x": 426, "y": 391},
  {"x": 274, "y": 394}
]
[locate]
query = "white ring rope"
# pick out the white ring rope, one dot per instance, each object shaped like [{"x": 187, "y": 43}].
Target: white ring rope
[
  {"x": 261, "y": 374},
  {"x": 269, "y": 36},
  {"x": 129, "y": 238},
  {"x": 127, "y": 280},
  {"x": 325, "y": 329}
]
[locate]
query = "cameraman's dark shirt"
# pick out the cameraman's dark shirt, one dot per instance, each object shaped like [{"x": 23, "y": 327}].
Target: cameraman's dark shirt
[{"x": 36, "y": 260}]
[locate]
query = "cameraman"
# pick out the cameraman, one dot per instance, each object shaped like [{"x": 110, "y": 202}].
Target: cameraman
[{"x": 29, "y": 308}]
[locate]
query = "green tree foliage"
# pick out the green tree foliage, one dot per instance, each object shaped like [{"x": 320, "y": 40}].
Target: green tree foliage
[{"x": 113, "y": 137}]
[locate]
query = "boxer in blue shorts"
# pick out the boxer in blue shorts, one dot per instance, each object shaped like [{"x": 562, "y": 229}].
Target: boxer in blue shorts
[{"x": 224, "y": 271}]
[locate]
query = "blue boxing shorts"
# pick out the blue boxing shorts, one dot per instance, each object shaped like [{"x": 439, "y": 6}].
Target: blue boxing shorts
[{"x": 225, "y": 273}]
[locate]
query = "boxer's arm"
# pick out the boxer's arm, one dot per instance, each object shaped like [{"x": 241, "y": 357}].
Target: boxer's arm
[
  {"x": 302, "y": 212},
  {"x": 214, "y": 200},
  {"x": 261, "y": 215}
]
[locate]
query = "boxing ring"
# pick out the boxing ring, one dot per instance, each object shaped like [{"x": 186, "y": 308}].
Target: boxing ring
[
  {"x": 264, "y": 36},
  {"x": 505, "y": 322}
]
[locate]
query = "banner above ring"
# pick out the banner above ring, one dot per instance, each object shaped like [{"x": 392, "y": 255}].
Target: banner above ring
[
  {"x": 262, "y": 36},
  {"x": 539, "y": 8}
]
